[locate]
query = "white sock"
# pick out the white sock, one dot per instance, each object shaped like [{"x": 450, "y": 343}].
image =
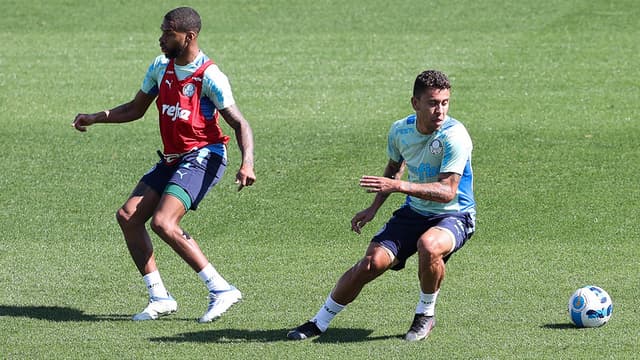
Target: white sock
[
  {"x": 212, "y": 279},
  {"x": 326, "y": 313},
  {"x": 427, "y": 303},
  {"x": 154, "y": 285}
]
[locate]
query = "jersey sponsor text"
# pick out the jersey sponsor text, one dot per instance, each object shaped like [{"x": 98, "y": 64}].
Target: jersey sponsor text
[{"x": 175, "y": 112}]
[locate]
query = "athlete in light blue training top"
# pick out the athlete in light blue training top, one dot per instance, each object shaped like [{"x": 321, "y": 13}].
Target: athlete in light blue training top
[{"x": 437, "y": 218}]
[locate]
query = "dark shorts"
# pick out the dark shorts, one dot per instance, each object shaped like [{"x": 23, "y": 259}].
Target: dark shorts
[
  {"x": 196, "y": 172},
  {"x": 401, "y": 233}
]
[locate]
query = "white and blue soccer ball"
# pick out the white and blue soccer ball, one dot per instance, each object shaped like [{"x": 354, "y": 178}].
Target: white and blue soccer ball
[{"x": 590, "y": 306}]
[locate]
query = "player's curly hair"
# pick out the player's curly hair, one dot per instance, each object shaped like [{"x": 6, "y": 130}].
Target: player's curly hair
[
  {"x": 430, "y": 79},
  {"x": 184, "y": 19}
]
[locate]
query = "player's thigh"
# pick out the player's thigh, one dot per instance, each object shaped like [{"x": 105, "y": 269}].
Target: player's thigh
[
  {"x": 140, "y": 205},
  {"x": 436, "y": 242},
  {"x": 378, "y": 258},
  {"x": 169, "y": 210}
]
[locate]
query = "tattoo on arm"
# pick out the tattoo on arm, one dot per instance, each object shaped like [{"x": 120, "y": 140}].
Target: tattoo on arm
[
  {"x": 243, "y": 132},
  {"x": 441, "y": 191}
]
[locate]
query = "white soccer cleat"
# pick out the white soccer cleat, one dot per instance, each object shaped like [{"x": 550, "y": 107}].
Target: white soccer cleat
[
  {"x": 157, "y": 307},
  {"x": 219, "y": 303}
]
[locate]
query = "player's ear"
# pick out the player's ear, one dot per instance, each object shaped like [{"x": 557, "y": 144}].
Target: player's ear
[{"x": 414, "y": 103}]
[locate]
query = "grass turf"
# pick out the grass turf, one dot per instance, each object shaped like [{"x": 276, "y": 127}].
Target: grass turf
[{"x": 547, "y": 90}]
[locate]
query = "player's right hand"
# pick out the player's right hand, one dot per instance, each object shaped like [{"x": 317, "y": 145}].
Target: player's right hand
[{"x": 82, "y": 121}]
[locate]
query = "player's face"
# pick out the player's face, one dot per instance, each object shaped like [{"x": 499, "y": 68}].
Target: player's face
[
  {"x": 172, "y": 43},
  {"x": 431, "y": 109}
]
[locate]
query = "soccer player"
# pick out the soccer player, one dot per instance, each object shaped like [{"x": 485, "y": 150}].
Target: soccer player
[
  {"x": 190, "y": 92},
  {"x": 437, "y": 218}
]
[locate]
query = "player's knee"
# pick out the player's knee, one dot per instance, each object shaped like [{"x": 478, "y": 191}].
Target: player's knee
[
  {"x": 124, "y": 217},
  {"x": 159, "y": 225},
  {"x": 370, "y": 267},
  {"x": 431, "y": 248},
  {"x": 162, "y": 226}
]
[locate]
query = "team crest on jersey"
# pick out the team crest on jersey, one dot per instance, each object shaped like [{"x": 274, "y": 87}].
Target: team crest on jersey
[
  {"x": 188, "y": 90},
  {"x": 435, "y": 147}
]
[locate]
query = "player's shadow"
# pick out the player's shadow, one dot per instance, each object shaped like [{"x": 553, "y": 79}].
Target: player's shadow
[
  {"x": 334, "y": 335},
  {"x": 559, "y": 326},
  {"x": 54, "y": 313}
]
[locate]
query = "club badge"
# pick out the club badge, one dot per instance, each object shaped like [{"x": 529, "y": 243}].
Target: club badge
[
  {"x": 188, "y": 90},
  {"x": 435, "y": 147}
]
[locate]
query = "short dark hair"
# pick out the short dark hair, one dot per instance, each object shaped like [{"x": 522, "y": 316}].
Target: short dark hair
[
  {"x": 184, "y": 19},
  {"x": 430, "y": 79}
]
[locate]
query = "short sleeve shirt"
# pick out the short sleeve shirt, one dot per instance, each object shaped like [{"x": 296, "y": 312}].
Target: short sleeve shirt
[
  {"x": 216, "y": 90},
  {"x": 446, "y": 150}
]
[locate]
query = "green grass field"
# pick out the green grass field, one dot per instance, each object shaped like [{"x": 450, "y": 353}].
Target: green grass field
[{"x": 548, "y": 91}]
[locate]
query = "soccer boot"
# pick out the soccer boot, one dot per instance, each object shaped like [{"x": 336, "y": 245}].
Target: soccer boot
[
  {"x": 304, "y": 331},
  {"x": 420, "y": 327},
  {"x": 157, "y": 307},
  {"x": 219, "y": 302}
]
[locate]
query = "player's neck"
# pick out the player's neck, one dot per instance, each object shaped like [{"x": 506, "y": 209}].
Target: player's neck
[
  {"x": 188, "y": 56},
  {"x": 423, "y": 128}
]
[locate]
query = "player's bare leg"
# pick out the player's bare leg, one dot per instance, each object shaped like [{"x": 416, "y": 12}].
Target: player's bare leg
[
  {"x": 166, "y": 224},
  {"x": 132, "y": 217},
  {"x": 375, "y": 262},
  {"x": 432, "y": 247}
]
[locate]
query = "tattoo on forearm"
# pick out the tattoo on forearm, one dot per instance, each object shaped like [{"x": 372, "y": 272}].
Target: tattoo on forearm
[
  {"x": 424, "y": 192},
  {"x": 431, "y": 195}
]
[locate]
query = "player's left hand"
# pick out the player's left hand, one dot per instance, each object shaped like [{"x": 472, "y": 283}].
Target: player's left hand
[
  {"x": 378, "y": 184},
  {"x": 245, "y": 177}
]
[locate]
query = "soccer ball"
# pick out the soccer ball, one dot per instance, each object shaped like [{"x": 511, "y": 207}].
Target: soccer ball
[{"x": 590, "y": 306}]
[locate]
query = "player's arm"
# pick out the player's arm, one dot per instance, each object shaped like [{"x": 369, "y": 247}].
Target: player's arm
[
  {"x": 443, "y": 190},
  {"x": 133, "y": 110},
  {"x": 392, "y": 171},
  {"x": 244, "y": 136}
]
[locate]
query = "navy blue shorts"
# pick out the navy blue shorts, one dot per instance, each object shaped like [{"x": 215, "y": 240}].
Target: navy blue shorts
[
  {"x": 196, "y": 172},
  {"x": 401, "y": 233}
]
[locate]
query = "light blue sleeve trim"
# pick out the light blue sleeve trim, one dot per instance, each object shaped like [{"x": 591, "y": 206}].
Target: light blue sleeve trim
[
  {"x": 218, "y": 149},
  {"x": 458, "y": 147},
  {"x": 153, "y": 77},
  {"x": 392, "y": 150},
  {"x": 216, "y": 87}
]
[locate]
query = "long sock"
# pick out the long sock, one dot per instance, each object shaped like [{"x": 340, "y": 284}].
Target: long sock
[
  {"x": 155, "y": 286},
  {"x": 212, "y": 279},
  {"x": 427, "y": 303},
  {"x": 326, "y": 313}
]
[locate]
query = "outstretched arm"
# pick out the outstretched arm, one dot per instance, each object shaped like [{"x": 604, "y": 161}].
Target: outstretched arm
[
  {"x": 244, "y": 137},
  {"x": 443, "y": 190},
  {"x": 392, "y": 173},
  {"x": 133, "y": 110}
]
